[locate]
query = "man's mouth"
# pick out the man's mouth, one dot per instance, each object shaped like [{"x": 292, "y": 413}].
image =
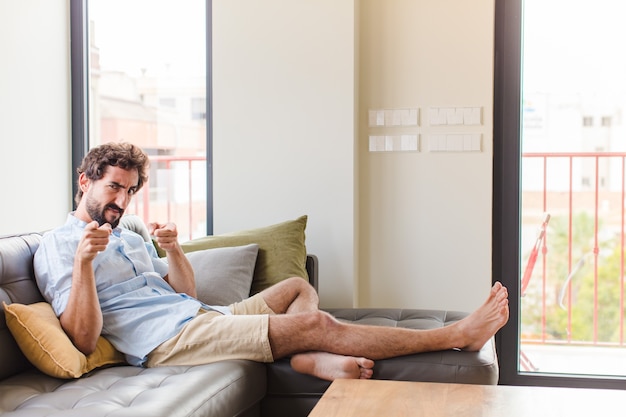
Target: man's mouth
[{"x": 115, "y": 209}]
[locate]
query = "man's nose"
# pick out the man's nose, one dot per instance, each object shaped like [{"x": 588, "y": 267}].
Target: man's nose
[{"x": 122, "y": 200}]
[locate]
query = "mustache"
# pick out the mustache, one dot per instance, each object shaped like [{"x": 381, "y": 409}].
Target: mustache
[
  {"x": 115, "y": 207},
  {"x": 101, "y": 219}
]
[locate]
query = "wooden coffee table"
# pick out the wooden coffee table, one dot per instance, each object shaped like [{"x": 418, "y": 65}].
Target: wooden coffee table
[{"x": 362, "y": 398}]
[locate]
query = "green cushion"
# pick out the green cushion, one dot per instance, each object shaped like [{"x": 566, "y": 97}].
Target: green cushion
[{"x": 282, "y": 252}]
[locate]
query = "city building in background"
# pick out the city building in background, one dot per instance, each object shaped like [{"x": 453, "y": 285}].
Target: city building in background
[
  {"x": 147, "y": 86},
  {"x": 573, "y": 167}
]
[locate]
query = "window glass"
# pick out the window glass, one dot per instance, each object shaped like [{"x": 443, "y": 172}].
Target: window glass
[
  {"x": 147, "y": 86},
  {"x": 573, "y": 301}
]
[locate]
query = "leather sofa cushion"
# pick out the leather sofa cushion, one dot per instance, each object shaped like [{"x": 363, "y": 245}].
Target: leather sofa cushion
[
  {"x": 292, "y": 394},
  {"x": 16, "y": 285},
  {"x": 226, "y": 388}
]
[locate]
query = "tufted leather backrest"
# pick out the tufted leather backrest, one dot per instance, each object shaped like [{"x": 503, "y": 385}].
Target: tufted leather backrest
[{"x": 17, "y": 285}]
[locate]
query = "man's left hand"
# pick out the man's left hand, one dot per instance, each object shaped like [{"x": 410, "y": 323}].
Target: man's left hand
[{"x": 166, "y": 235}]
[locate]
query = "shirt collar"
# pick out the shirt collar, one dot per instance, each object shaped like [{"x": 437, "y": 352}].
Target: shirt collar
[{"x": 72, "y": 219}]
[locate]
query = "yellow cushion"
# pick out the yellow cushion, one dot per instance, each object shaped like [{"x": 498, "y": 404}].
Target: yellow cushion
[
  {"x": 41, "y": 338},
  {"x": 282, "y": 252}
]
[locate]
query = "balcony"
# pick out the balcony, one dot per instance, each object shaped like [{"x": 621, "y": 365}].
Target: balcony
[
  {"x": 572, "y": 306},
  {"x": 176, "y": 192}
]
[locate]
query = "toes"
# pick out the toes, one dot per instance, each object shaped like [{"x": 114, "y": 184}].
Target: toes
[
  {"x": 365, "y": 363},
  {"x": 366, "y": 373}
]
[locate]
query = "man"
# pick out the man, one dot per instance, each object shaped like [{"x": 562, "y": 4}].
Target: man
[{"x": 102, "y": 279}]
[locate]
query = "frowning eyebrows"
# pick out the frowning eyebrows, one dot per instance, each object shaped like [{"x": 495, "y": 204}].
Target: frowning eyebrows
[{"x": 117, "y": 186}]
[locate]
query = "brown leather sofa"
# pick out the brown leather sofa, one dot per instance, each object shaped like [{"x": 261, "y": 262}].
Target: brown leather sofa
[{"x": 230, "y": 388}]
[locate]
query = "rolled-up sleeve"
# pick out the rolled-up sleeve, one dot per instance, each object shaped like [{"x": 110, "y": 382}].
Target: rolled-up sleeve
[{"x": 53, "y": 265}]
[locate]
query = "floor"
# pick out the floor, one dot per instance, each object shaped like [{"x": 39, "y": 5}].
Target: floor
[{"x": 579, "y": 360}]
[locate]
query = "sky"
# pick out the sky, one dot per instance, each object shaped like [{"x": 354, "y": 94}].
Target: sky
[
  {"x": 568, "y": 43},
  {"x": 158, "y": 35},
  {"x": 574, "y": 45}
]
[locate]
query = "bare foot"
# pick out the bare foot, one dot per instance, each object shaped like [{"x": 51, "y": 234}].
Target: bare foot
[
  {"x": 330, "y": 366},
  {"x": 477, "y": 328}
]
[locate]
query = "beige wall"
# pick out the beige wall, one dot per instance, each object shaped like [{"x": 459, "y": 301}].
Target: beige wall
[
  {"x": 34, "y": 114},
  {"x": 425, "y": 217},
  {"x": 292, "y": 85},
  {"x": 391, "y": 229},
  {"x": 284, "y": 125}
]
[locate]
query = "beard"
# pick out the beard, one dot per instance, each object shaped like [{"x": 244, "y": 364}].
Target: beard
[{"x": 97, "y": 212}]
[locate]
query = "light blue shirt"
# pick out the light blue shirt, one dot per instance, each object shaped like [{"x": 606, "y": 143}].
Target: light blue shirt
[{"x": 140, "y": 309}]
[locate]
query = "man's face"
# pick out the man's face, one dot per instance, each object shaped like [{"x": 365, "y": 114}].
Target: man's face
[{"x": 107, "y": 198}]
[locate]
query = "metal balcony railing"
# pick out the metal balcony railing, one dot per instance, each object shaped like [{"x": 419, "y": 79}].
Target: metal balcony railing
[
  {"x": 175, "y": 192},
  {"x": 576, "y": 291}
]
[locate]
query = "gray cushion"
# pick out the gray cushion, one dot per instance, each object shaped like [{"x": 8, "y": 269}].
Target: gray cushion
[
  {"x": 290, "y": 394},
  {"x": 226, "y": 388},
  {"x": 134, "y": 223},
  {"x": 224, "y": 275},
  {"x": 17, "y": 285}
]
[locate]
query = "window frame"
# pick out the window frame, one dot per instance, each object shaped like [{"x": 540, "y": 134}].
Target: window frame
[
  {"x": 79, "y": 57},
  {"x": 506, "y": 200}
]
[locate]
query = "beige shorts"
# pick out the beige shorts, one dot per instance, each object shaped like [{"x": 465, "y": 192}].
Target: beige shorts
[{"x": 212, "y": 337}]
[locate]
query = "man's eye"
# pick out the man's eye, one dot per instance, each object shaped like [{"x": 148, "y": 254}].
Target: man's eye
[{"x": 132, "y": 191}]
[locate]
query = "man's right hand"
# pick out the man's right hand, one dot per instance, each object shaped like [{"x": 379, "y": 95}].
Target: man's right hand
[
  {"x": 95, "y": 239},
  {"x": 82, "y": 318}
]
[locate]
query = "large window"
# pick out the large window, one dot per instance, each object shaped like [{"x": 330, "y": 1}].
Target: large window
[
  {"x": 559, "y": 191},
  {"x": 141, "y": 74}
]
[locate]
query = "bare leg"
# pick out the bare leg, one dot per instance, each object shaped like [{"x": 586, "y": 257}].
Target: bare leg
[
  {"x": 297, "y": 296},
  {"x": 330, "y": 366},
  {"x": 315, "y": 331},
  {"x": 291, "y": 296}
]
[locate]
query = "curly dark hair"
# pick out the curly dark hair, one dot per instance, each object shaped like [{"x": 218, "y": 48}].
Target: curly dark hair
[{"x": 124, "y": 155}]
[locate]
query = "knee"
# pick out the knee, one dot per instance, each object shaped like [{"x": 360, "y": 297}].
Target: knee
[
  {"x": 301, "y": 286},
  {"x": 322, "y": 320},
  {"x": 299, "y": 283}
]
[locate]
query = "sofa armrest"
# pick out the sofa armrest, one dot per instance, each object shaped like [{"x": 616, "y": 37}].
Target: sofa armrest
[{"x": 312, "y": 269}]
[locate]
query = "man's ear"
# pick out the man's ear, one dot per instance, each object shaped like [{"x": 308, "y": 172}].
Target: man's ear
[{"x": 83, "y": 182}]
